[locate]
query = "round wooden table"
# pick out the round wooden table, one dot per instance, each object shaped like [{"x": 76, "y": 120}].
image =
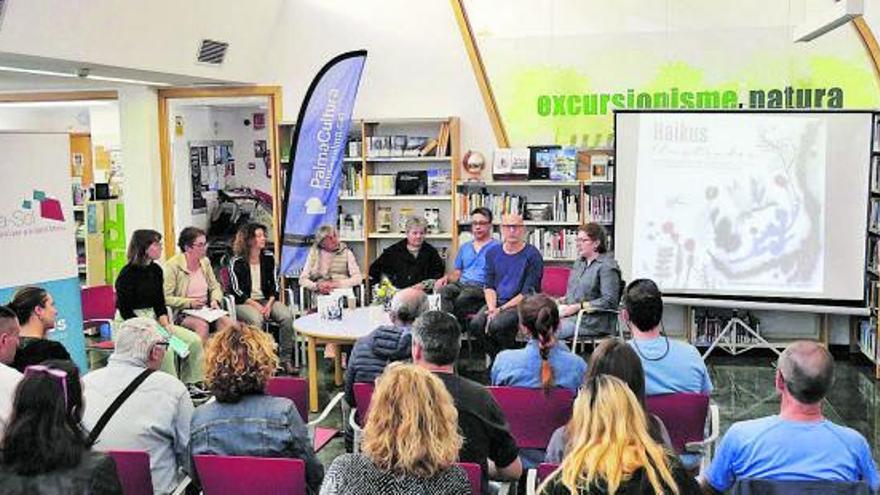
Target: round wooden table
[{"x": 355, "y": 323}]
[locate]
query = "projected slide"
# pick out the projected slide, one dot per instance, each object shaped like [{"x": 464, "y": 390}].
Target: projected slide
[{"x": 731, "y": 207}]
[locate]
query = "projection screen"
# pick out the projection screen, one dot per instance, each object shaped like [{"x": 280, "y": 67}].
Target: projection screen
[{"x": 752, "y": 206}]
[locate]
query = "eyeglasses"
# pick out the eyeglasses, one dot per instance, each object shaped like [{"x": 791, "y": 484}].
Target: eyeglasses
[
  {"x": 61, "y": 375},
  {"x": 164, "y": 344},
  {"x": 513, "y": 225},
  {"x": 200, "y": 244}
]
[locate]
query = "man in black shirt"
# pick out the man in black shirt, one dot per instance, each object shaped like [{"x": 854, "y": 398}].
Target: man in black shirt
[{"x": 487, "y": 439}]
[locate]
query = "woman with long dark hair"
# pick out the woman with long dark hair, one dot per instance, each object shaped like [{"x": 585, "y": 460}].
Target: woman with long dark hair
[
  {"x": 44, "y": 449},
  {"x": 140, "y": 292},
  {"x": 254, "y": 283}
]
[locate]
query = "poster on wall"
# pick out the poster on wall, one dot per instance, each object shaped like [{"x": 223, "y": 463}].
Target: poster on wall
[
  {"x": 210, "y": 163},
  {"x": 558, "y": 78},
  {"x": 37, "y": 230}
]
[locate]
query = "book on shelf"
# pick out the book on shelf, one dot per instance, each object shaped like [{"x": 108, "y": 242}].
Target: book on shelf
[
  {"x": 354, "y": 148},
  {"x": 565, "y": 166},
  {"x": 499, "y": 204},
  {"x": 439, "y": 182},
  {"x": 874, "y": 216},
  {"x": 429, "y": 147},
  {"x": 414, "y": 145},
  {"x": 432, "y": 217},
  {"x": 868, "y": 336},
  {"x": 554, "y": 244},
  {"x": 351, "y": 182},
  {"x": 510, "y": 164},
  {"x": 875, "y": 173},
  {"x": 398, "y": 145},
  {"x": 600, "y": 207},
  {"x": 381, "y": 184},
  {"x": 443, "y": 139}
]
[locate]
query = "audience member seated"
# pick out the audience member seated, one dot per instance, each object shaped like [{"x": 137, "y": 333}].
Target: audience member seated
[
  {"x": 670, "y": 365},
  {"x": 487, "y": 439},
  {"x": 385, "y": 344},
  {"x": 44, "y": 448},
  {"x": 614, "y": 358},
  {"x": 593, "y": 284},
  {"x": 241, "y": 419},
  {"x": 411, "y": 441},
  {"x": 513, "y": 271},
  {"x": 155, "y": 417},
  {"x": 462, "y": 290},
  {"x": 140, "y": 292},
  {"x": 9, "y": 376},
  {"x": 544, "y": 362},
  {"x": 330, "y": 264},
  {"x": 190, "y": 283},
  {"x": 799, "y": 444},
  {"x": 36, "y": 313},
  {"x": 411, "y": 261},
  {"x": 255, "y": 287},
  {"x": 611, "y": 451}
]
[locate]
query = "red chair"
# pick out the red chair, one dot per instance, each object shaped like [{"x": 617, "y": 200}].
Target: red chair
[
  {"x": 685, "y": 416},
  {"x": 363, "y": 393},
  {"x": 537, "y": 476},
  {"x": 297, "y": 390},
  {"x": 133, "y": 468},
  {"x": 234, "y": 475},
  {"x": 99, "y": 308},
  {"x": 532, "y": 415},
  {"x": 554, "y": 282},
  {"x": 475, "y": 476}
]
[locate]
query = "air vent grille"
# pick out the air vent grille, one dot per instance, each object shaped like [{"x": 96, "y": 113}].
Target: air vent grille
[{"x": 210, "y": 52}]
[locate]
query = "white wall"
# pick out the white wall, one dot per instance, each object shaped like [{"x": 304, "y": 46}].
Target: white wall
[
  {"x": 139, "y": 137},
  {"x": 44, "y": 119},
  {"x": 417, "y": 65}
]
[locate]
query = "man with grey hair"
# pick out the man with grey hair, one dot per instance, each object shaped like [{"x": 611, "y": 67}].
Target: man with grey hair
[
  {"x": 799, "y": 444},
  {"x": 410, "y": 262},
  {"x": 372, "y": 352},
  {"x": 155, "y": 417},
  {"x": 487, "y": 439}
]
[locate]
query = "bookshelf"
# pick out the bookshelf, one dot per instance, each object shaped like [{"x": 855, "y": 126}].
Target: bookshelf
[
  {"x": 865, "y": 333},
  {"x": 566, "y": 206}
]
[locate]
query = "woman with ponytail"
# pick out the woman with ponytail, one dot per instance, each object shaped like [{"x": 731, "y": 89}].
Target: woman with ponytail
[
  {"x": 611, "y": 451},
  {"x": 544, "y": 362}
]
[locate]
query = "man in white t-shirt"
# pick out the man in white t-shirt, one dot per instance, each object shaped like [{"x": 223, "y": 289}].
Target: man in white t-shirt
[{"x": 9, "y": 376}]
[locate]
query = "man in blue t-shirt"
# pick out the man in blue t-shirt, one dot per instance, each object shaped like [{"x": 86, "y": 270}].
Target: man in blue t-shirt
[
  {"x": 670, "y": 365},
  {"x": 799, "y": 444},
  {"x": 461, "y": 292},
  {"x": 513, "y": 271}
]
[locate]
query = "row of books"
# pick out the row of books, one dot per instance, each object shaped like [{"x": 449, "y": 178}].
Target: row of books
[
  {"x": 600, "y": 207},
  {"x": 499, "y": 204},
  {"x": 709, "y": 325},
  {"x": 554, "y": 244},
  {"x": 874, "y": 215},
  {"x": 380, "y": 184},
  {"x": 398, "y": 145},
  {"x": 874, "y": 254},
  {"x": 875, "y": 173},
  {"x": 352, "y": 182}
]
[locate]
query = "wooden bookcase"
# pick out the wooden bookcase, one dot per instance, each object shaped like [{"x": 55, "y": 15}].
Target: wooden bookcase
[{"x": 865, "y": 334}]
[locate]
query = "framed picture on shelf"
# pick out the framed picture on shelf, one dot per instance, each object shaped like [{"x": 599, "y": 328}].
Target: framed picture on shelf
[{"x": 599, "y": 168}]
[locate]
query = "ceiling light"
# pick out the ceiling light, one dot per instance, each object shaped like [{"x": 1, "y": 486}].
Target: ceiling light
[
  {"x": 80, "y": 74},
  {"x": 842, "y": 12}
]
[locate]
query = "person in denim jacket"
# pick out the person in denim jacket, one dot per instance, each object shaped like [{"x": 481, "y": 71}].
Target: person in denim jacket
[{"x": 241, "y": 419}]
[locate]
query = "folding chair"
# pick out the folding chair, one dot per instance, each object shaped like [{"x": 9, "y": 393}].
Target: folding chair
[
  {"x": 99, "y": 309},
  {"x": 532, "y": 415},
  {"x": 133, "y": 469},
  {"x": 241, "y": 475},
  {"x": 537, "y": 476},
  {"x": 297, "y": 390},
  {"x": 363, "y": 393},
  {"x": 554, "y": 281},
  {"x": 686, "y": 416}
]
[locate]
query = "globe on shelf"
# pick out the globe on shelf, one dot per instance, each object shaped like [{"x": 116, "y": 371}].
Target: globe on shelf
[{"x": 473, "y": 164}]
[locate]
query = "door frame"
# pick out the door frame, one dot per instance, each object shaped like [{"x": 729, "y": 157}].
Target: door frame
[{"x": 273, "y": 117}]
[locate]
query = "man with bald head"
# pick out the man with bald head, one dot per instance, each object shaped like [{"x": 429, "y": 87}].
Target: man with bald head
[
  {"x": 799, "y": 444},
  {"x": 372, "y": 352},
  {"x": 513, "y": 271}
]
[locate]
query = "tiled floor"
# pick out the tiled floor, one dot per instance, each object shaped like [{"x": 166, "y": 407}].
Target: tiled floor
[{"x": 743, "y": 389}]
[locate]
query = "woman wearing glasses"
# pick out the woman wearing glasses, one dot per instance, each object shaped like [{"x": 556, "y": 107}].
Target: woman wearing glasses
[
  {"x": 44, "y": 448},
  {"x": 140, "y": 292},
  {"x": 190, "y": 283},
  {"x": 610, "y": 450},
  {"x": 593, "y": 285}
]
